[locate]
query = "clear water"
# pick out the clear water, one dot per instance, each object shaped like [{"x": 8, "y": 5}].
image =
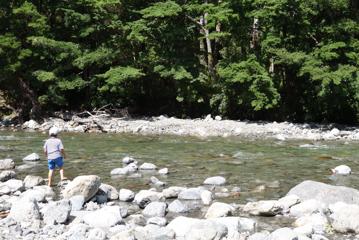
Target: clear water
[{"x": 245, "y": 163}]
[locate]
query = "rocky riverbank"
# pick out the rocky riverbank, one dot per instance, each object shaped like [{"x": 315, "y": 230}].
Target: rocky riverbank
[
  {"x": 206, "y": 127},
  {"x": 90, "y": 209}
]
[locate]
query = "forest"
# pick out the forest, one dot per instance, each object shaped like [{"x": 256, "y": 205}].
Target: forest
[{"x": 273, "y": 60}]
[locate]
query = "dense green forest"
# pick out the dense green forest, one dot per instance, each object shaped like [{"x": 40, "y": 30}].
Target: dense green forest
[{"x": 280, "y": 60}]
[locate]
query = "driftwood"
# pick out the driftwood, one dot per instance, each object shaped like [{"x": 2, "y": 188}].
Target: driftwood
[{"x": 4, "y": 214}]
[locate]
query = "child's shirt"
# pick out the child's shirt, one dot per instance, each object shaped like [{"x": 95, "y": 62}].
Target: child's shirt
[{"x": 53, "y": 146}]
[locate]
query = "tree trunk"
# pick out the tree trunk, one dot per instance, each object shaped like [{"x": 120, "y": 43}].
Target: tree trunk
[
  {"x": 210, "y": 61},
  {"x": 30, "y": 95}
]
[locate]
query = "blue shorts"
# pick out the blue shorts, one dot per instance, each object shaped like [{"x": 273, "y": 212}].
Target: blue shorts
[{"x": 52, "y": 163}]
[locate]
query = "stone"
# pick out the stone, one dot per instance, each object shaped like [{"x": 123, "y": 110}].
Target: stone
[
  {"x": 283, "y": 234},
  {"x": 190, "y": 194},
  {"x": 119, "y": 171},
  {"x": 124, "y": 235},
  {"x": 110, "y": 191},
  {"x": 136, "y": 219},
  {"x": 172, "y": 192},
  {"x": 259, "y": 236},
  {"x": 25, "y": 211},
  {"x": 32, "y": 181},
  {"x": 144, "y": 197},
  {"x": 206, "y": 197},
  {"x": 219, "y": 209},
  {"x": 160, "y": 221},
  {"x": 318, "y": 222},
  {"x": 163, "y": 171},
  {"x": 97, "y": 234},
  {"x": 154, "y": 232},
  {"x": 344, "y": 217},
  {"x": 341, "y": 170},
  {"x": 34, "y": 194},
  {"x": 126, "y": 195},
  {"x": 7, "y": 164},
  {"x": 287, "y": 202},
  {"x": 14, "y": 185},
  {"x": 181, "y": 225},
  {"x": 318, "y": 237},
  {"x": 155, "y": 181},
  {"x": 307, "y": 207},
  {"x": 31, "y": 124},
  {"x": 218, "y": 118},
  {"x": 128, "y": 160},
  {"x": 48, "y": 191},
  {"x": 32, "y": 157},
  {"x": 56, "y": 212},
  {"x": 234, "y": 226},
  {"x": 217, "y": 180},
  {"x": 104, "y": 218},
  {"x": 177, "y": 207},
  {"x": 82, "y": 185},
  {"x": 263, "y": 208},
  {"x": 7, "y": 175},
  {"x": 76, "y": 232},
  {"x": 148, "y": 166},
  {"x": 325, "y": 193},
  {"x": 77, "y": 202},
  {"x": 206, "y": 230},
  {"x": 155, "y": 209}
]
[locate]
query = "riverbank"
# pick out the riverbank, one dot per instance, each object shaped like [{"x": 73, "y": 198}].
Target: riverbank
[{"x": 206, "y": 127}]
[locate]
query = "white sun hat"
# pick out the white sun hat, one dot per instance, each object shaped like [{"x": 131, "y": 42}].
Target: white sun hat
[{"x": 54, "y": 131}]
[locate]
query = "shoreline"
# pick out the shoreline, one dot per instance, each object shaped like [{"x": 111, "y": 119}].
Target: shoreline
[{"x": 207, "y": 127}]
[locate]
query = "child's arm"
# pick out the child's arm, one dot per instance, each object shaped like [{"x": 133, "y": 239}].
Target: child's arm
[{"x": 63, "y": 153}]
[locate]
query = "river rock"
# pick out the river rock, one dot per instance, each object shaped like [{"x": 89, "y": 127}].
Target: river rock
[
  {"x": 97, "y": 234},
  {"x": 7, "y": 175},
  {"x": 172, "y": 192},
  {"x": 110, "y": 191},
  {"x": 56, "y": 212},
  {"x": 236, "y": 225},
  {"x": 126, "y": 195},
  {"x": 119, "y": 171},
  {"x": 177, "y": 207},
  {"x": 344, "y": 217},
  {"x": 325, "y": 193},
  {"x": 206, "y": 230},
  {"x": 32, "y": 157},
  {"x": 152, "y": 231},
  {"x": 217, "y": 180},
  {"x": 25, "y": 211},
  {"x": 318, "y": 222},
  {"x": 181, "y": 225},
  {"x": 124, "y": 235},
  {"x": 341, "y": 170},
  {"x": 259, "y": 236},
  {"x": 13, "y": 184},
  {"x": 318, "y": 237},
  {"x": 307, "y": 207},
  {"x": 206, "y": 197},
  {"x": 163, "y": 171},
  {"x": 136, "y": 219},
  {"x": 104, "y": 218},
  {"x": 219, "y": 209},
  {"x": 144, "y": 197},
  {"x": 7, "y": 164},
  {"x": 155, "y": 209},
  {"x": 34, "y": 194},
  {"x": 31, "y": 124},
  {"x": 76, "y": 232},
  {"x": 287, "y": 202},
  {"x": 159, "y": 221},
  {"x": 48, "y": 191},
  {"x": 77, "y": 202},
  {"x": 190, "y": 194},
  {"x": 155, "y": 181},
  {"x": 148, "y": 166},
  {"x": 32, "y": 181},
  {"x": 263, "y": 208},
  {"x": 82, "y": 185},
  {"x": 128, "y": 160},
  {"x": 283, "y": 234}
]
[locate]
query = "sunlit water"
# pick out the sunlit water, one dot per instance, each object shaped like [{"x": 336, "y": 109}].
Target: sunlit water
[{"x": 245, "y": 163}]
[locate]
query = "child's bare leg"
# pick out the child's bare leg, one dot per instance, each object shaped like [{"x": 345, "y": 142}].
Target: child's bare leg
[
  {"x": 50, "y": 177},
  {"x": 62, "y": 174}
]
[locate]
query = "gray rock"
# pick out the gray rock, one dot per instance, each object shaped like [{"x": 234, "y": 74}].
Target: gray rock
[
  {"x": 217, "y": 180},
  {"x": 126, "y": 195},
  {"x": 234, "y": 226},
  {"x": 307, "y": 207},
  {"x": 160, "y": 221},
  {"x": 101, "y": 198},
  {"x": 154, "y": 232},
  {"x": 110, "y": 191},
  {"x": 206, "y": 230},
  {"x": 325, "y": 193},
  {"x": 82, "y": 185},
  {"x": 124, "y": 235},
  {"x": 32, "y": 157},
  {"x": 177, "y": 207},
  {"x": 155, "y": 181},
  {"x": 7, "y": 175},
  {"x": 283, "y": 234},
  {"x": 76, "y": 232},
  {"x": 7, "y": 164},
  {"x": 97, "y": 234},
  {"x": 155, "y": 209},
  {"x": 148, "y": 166},
  {"x": 119, "y": 171},
  {"x": 49, "y": 193},
  {"x": 206, "y": 197},
  {"x": 32, "y": 181},
  {"x": 172, "y": 192},
  {"x": 190, "y": 194},
  {"x": 5, "y": 204},
  {"x": 128, "y": 160},
  {"x": 77, "y": 202},
  {"x": 259, "y": 236},
  {"x": 318, "y": 237},
  {"x": 35, "y": 194},
  {"x": 14, "y": 185},
  {"x": 263, "y": 208},
  {"x": 144, "y": 197},
  {"x": 25, "y": 211},
  {"x": 31, "y": 124},
  {"x": 56, "y": 212},
  {"x": 136, "y": 219},
  {"x": 219, "y": 209},
  {"x": 344, "y": 217},
  {"x": 287, "y": 202},
  {"x": 181, "y": 225},
  {"x": 104, "y": 218},
  {"x": 163, "y": 171},
  {"x": 317, "y": 222},
  {"x": 4, "y": 190}
]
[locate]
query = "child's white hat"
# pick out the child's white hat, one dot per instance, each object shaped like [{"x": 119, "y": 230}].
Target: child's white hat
[{"x": 54, "y": 131}]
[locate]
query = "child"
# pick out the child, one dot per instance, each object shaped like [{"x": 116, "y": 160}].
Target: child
[{"x": 55, "y": 153}]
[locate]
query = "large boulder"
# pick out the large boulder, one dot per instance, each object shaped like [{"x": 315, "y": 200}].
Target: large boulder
[
  {"x": 219, "y": 209},
  {"x": 307, "y": 207},
  {"x": 325, "y": 193},
  {"x": 13, "y": 185},
  {"x": 83, "y": 185},
  {"x": 32, "y": 181},
  {"x": 56, "y": 212},
  {"x": 344, "y": 217},
  {"x": 7, "y": 164},
  {"x": 25, "y": 211}
]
